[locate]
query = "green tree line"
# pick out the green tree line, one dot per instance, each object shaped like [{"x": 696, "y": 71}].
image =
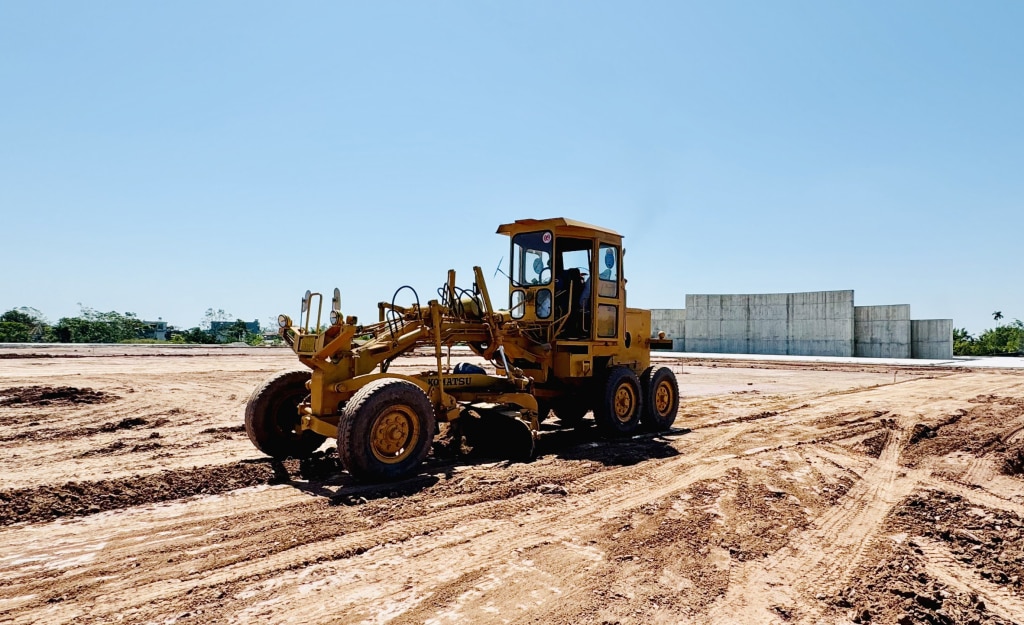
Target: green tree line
[
  {"x": 1004, "y": 339},
  {"x": 28, "y": 325}
]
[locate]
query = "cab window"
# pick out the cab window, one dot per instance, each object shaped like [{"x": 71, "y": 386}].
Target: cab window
[
  {"x": 608, "y": 270},
  {"x": 531, "y": 258}
]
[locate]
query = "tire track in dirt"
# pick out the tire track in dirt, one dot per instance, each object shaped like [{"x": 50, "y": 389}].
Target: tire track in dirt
[
  {"x": 533, "y": 534},
  {"x": 546, "y": 530},
  {"x": 78, "y": 442},
  {"x": 608, "y": 504},
  {"x": 716, "y": 444},
  {"x": 942, "y": 565},
  {"x": 492, "y": 555},
  {"x": 791, "y": 578},
  {"x": 444, "y": 530},
  {"x": 977, "y": 494},
  {"x": 980, "y": 470},
  {"x": 602, "y": 496}
]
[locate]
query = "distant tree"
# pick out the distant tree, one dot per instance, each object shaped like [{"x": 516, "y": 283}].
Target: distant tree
[
  {"x": 999, "y": 341},
  {"x": 236, "y": 332},
  {"x": 24, "y": 325},
  {"x": 197, "y": 335},
  {"x": 997, "y": 315},
  {"x": 963, "y": 342},
  {"x": 212, "y": 315},
  {"x": 1004, "y": 339},
  {"x": 15, "y": 327},
  {"x": 99, "y": 327}
]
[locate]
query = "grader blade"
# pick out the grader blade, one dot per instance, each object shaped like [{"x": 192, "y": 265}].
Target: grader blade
[{"x": 498, "y": 433}]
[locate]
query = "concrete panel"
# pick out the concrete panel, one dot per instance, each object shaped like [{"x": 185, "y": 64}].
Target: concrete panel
[
  {"x": 882, "y": 331},
  {"x": 931, "y": 338},
  {"x": 814, "y": 324},
  {"x": 671, "y": 321},
  {"x": 820, "y": 323}
]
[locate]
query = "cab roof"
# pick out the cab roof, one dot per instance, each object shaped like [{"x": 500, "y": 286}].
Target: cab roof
[{"x": 525, "y": 225}]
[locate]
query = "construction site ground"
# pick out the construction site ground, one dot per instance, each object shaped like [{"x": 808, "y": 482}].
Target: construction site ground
[{"x": 788, "y": 492}]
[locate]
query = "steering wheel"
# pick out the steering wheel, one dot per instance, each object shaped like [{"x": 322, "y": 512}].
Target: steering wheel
[{"x": 540, "y": 275}]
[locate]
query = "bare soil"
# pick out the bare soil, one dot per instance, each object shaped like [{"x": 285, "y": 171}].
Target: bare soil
[{"x": 787, "y": 493}]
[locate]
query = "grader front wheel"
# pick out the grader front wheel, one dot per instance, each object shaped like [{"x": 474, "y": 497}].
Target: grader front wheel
[
  {"x": 385, "y": 430},
  {"x": 272, "y": 418}
]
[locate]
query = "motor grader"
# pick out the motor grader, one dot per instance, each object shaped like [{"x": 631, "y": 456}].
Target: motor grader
[{"x": 563, "y": 342}]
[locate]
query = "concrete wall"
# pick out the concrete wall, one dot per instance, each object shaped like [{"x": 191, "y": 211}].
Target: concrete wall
[
  {"x": 881, "y": 331},
  {"x": 671, "y": 321},
  {"x": 819, "y": 323},
  {"x": 931, "y": 338}
]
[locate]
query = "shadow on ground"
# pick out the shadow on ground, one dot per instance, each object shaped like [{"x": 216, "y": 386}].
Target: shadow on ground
[{"x": 319, "y": 476}]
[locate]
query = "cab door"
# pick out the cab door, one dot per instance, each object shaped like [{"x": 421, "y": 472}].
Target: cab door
[{"x": 608, "y": 305}]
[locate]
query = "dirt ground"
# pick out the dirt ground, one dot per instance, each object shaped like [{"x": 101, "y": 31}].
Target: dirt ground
[{"x": 787, "y": 493}]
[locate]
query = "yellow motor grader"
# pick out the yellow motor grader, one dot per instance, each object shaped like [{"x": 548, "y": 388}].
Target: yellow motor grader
[{"x": 566, "y": 343}]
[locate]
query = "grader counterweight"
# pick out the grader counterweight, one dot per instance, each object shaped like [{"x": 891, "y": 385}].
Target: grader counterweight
[{"x": 566, "y": 343}]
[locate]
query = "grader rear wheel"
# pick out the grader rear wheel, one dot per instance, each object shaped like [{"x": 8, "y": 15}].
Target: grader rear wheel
[
  {"x": 272, "y": 418},
  {"x": 385, "y": 430},
  {"x": 620, "y": 405},
  {"x": 661, "y": 399}
]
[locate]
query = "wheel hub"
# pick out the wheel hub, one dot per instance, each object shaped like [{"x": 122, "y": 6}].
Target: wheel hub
[
  {"x": 393, "y": 434},
  {"x": 663, "y": 398},
  {"x": 624, "y": 403}
]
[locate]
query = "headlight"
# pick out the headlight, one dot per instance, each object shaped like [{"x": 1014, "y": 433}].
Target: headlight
[
  {"x": 335, "y": 317},
  {"x": 284, "y": 321}
]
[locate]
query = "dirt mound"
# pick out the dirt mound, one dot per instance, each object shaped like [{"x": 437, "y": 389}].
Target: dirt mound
[
  {"x": 922, "y": 431},
  {"x": 321, "y": 465},
  {"x": 980, "y": 430},
  {"x": 123, "y": 424},
  {"x": 52, "y": 396},
  {"x": 49, "y": 433},
  {"x": 12, "y": 356},
  {"x": 125, "y": 446},
  {"x": 81, "y": 498},
  {"x": 988, "y": 540},
  {"x": 900, "y": 591},
  {"x": 901, "y": 588},
  {"x": 1014, "y": 461},
  {"x": 874, "y": 445}
]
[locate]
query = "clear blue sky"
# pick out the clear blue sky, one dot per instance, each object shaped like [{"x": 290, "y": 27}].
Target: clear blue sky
[{"x": 165, "y": 158}]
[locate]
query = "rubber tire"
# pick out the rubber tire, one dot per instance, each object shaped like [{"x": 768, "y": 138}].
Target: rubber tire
[
  {"x": 604, "y": 411},
  {"x": 571, "y": 410},
  {"x": 355, "y": 427},
  {"x": 650, "y": 418},
  {"x": 271, "y": 416}
]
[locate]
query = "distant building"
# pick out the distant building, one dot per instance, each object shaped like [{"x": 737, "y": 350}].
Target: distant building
[{"x": 155, "y": 330}]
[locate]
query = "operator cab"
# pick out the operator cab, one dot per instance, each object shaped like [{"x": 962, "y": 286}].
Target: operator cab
[{"x": 566, "y": 276}]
